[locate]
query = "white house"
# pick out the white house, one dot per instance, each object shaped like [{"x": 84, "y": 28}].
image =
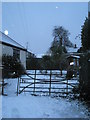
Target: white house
[{"x": 12, "y": 48}]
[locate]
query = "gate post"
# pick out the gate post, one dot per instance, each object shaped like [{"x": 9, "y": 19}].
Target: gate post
[
  {"x": 18, "y": 86},
  {"x": 34, "y": 81},
  {"x": 67, "y": 87},
  {"x": 2, "y": 86},
  {"x": 50, "y": 82}
]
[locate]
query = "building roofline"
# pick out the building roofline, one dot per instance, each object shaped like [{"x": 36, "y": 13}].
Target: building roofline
[
  {"x": 5, "y": 43},
  {"x": 10, "y": 45}
]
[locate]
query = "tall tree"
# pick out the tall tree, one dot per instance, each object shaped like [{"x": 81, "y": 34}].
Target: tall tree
[
  {"x": 85, "y": 34},
  {"x": 61, "y": 40},
  {"x": 62, "y": 36},
  {"x": 58, "y": 46}
]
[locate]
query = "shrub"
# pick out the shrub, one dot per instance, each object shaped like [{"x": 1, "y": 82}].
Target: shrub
[
  {"x": 84, "y": 81},
  {"x": 12, "y": 67}
]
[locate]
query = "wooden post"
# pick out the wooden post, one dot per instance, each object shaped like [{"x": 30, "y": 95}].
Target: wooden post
[
  {"x": 2, "y": 86},
  {"x": 50, "y": 82},
  {"x": 34, "y": 81},
  {"x": 67, "y": 88},
  {"x": 2, "y": 79},
  {"x": 61, "y": 72},
  {"x": 18, "y": 86}
]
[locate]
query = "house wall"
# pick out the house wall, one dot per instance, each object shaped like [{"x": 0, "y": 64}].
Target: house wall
[
  {"x": 0, "y": 68},
  {"x": 23, "y": 57},
  {"x": 9, "y": 51},
  {"x": 0, "y": 53},
  {"x": 75, "y": 60}
]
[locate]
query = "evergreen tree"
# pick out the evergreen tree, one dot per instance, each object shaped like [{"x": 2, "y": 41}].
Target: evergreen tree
[
  {"x": 12, "y": 67},
  {"x": 85, "y": 35}
]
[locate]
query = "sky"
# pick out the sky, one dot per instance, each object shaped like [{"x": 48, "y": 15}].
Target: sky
[{"x": 31, "y": 23}]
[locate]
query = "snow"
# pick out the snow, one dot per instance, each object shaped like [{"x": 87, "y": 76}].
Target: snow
[
  {"x": 71, "y": 49},
  {"x": 9, "y": 40},
  {"x": 41, "y": 107},
  {"x": 27, "y": 106},
  {"x": 76, "y": 56},
  {"x": 89, "y": 60},
  {"x": 39, "y": 55}
]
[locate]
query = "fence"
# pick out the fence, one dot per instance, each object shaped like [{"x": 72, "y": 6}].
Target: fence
[
  {"x": 49, "y": 82},
  {"x": 6, "y": 74}
]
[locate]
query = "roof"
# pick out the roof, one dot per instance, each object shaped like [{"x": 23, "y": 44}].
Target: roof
[
  {"x": 74, "y": 56},
  {"x": 39, "y": 55},
  {"x": 4, "y": 39},
  {"x": 71, "y": 49}
]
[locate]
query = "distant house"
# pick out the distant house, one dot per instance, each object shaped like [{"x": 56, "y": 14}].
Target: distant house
[
  {"x": 30, "y": 55},
  {"x": 10, "y": 47},
  {"x": 74, "y": 60},
  {"x": 73, "y": 56}
]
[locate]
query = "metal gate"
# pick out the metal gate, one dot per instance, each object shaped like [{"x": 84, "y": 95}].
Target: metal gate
[{"x": 46, "y": 83}]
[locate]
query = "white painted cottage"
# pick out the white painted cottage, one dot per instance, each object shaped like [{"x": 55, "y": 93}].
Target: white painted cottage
[{"x": 10, "y": 47}]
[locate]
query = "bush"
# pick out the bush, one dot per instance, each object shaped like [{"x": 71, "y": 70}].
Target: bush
[
  {"x": 69, "y": 74},
  {"x": 33, "y": 63},
  {"x": 12, "y": 67},
  {"x": 84, "y": 81},
  {"x": 85, "y": 35}
]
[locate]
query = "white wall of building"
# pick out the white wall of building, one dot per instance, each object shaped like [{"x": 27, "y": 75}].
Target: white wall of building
[
  {"x": 9, "y": 51},
  {"x": 23, "y": 57},
  {"x": 0, "y": 52}
]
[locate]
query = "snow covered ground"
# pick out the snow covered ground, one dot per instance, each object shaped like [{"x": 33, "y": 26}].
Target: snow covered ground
[{"x": 28, "y": 106}]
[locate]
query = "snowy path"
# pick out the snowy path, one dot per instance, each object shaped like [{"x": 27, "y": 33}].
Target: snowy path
[
  {"x": 41, "y": 107},
  {"x": 27, "y": 106}
]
